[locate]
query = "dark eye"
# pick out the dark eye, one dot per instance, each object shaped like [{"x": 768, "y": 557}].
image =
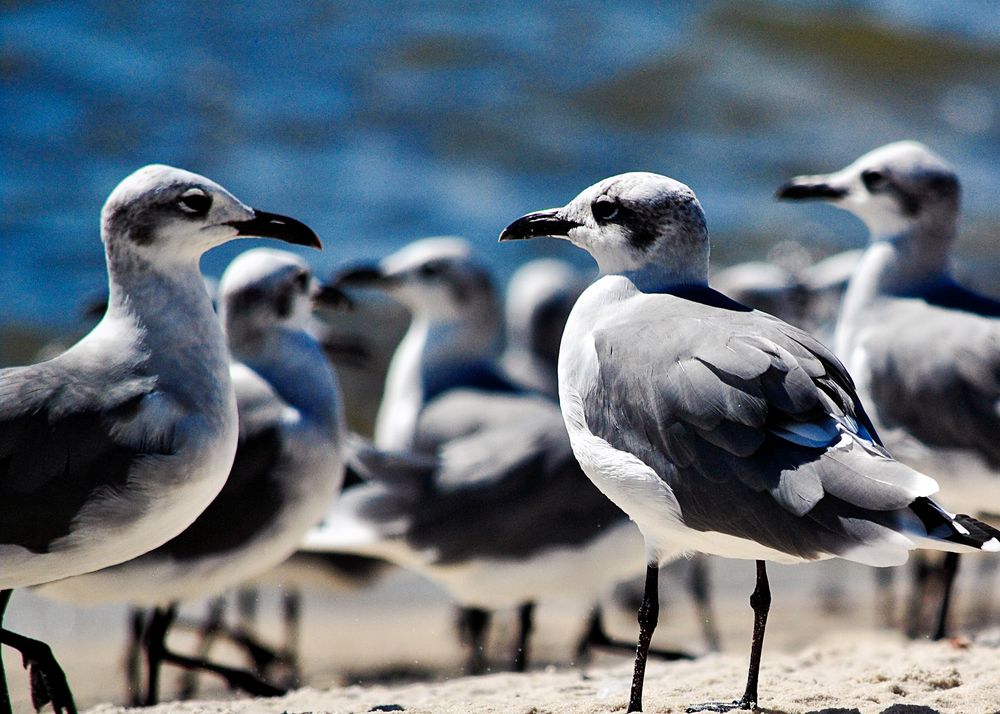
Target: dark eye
[
  {"x": 873, "y": 180},
  {"x": 301, "y": 282},
  {"x": 429, "y": 270},
  {"x": 195, "y": 202},
  {"x": 604, "y": 209}
]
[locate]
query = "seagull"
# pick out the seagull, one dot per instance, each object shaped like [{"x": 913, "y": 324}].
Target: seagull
[
  {"x": 287, "y": 471},
  {"x": 924, "y": 349},
  {"x": 540, "y": 295},
  {"x": 717, "y": 428},
  {"x": 499, "y": 518},
  {"x": 455, "y": 335},
  {"x": 115, "y": 446}
]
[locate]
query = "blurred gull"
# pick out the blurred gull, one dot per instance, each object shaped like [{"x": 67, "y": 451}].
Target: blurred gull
[
  {"x": 287, "y": 471},
  {"x": 924, "y": 349},
  {"x": 115, "y": 446},
  {"x": 455, "y": 335},
  {"x": 540, "y": 295},
  {"x": 718, "y": 428}
]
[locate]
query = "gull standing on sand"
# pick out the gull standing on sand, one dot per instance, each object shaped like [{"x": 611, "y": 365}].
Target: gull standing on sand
[
  {"x": 924, "y": 350},
  {"x": 717, "y": 428},
  {"x": 287, "y": 471},
  {"x": 115, "y": 446}
]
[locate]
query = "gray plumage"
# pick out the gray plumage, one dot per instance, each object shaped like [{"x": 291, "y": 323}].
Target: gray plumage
[
  {"x": 288, "y": 465},
  {"x": 925, "y": 350},
  {"x": 113, "y": 447}
]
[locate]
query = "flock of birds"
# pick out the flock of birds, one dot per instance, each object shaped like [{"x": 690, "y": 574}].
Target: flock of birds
[{"x": 178, "y": 451}]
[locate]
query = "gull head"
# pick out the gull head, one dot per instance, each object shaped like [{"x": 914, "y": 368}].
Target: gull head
[
  {"x": 634, "y": 223},
  {"x": 167, "y": 216},
  {"x": 435, "y": 278},
  {"x": 540, "y": 295},
  {"x": 893, "y": 189},
  {"x": 265, "y": 292}
]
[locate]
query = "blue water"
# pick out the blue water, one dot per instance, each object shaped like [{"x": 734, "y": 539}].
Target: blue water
[{"x": 378, "y": 123}]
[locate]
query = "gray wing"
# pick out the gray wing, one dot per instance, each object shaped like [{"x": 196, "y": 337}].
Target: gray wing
[
  {"x": 253, "y": 494},
  {"x": 461, "y": 412},
  {"x": 935, "y": 373},
  {"x": 65, "y": 441},
  {"x": 504, "y": 492},
  {"x": 753, "y": 423}
]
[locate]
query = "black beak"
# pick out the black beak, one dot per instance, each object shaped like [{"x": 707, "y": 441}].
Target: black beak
[
  {"x": 803, "y": 188},
  {"x": 361, "y": 276},
  {"x": 332, "y": 296},
  {"x": 537, "y": 224},
  {"x": 272, "y": 225}
]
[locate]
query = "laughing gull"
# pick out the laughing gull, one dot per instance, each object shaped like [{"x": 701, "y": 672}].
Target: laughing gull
[
  {"x": 718, "y": 428},
  {"x": 924, "y": 349},
  {"x": 455, "y": 335},
  {"x": 540, "y": 295},
  {"x": 115, "y": 446},
  {"x": 499, "y": 518},
  {"x": 288, "y": 466}
]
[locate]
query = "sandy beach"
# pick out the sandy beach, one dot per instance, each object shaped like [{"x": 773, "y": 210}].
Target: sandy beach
[{"x": 393, "y": 648}]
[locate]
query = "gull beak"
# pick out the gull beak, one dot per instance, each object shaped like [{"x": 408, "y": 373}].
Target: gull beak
[
  {"x": 537, "y": 224},
  {"x": 272, "y": 225},
  {"x": 333, "y": 297},
  {"x": 803, "y": 188}
]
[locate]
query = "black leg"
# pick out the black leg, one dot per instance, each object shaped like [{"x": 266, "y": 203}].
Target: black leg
[
  {"x": 699, "y": 584},
  {"x": 760, "y": 601},
  {"x": 649, "y": 612},
  {"x": 949, "y": 569},
  {"x": 5, "y": 705},
  {"x": 133, "y": 656},
  {"x": 207, "y": 635},
  {"x": 915, "y": 608},
  {"x": 155, "y": 644},
  {"x": 48, "y": 682},
  {"x": 885, "y": 597},
  {"x": 472, "y": 624},
  {"x": 594, "y": 637},
  {"x": 157, "y": 653},
  {"x": 291, "y": 602},
  {"x": 246, "y": 607},
  {"x": 525, "y": 614}
]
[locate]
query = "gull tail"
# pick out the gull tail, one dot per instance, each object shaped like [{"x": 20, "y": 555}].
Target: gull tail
[{"x": 957, "y": 533}]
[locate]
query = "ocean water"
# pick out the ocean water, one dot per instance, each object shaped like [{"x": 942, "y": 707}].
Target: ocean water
[{"x": 378, "y": 123}]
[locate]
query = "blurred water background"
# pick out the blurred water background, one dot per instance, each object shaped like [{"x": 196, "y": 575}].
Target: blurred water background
[{"x": 378, "y": 123}]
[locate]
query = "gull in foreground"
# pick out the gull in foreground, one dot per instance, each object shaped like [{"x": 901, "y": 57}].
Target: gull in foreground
[
  {"x": 115, "y": 446},
  {"x": 287, "y": 470},
  {"x": 717, "y": 428},
  {"x": 924, "y": 350}
]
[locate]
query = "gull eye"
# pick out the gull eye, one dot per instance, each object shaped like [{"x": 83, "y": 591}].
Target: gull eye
[
  {"x": 873, "y": 180},
  {"x": 195, "y": 202},
  {"x": 604, "y": 209},
  {"x": 301, "y": 282},
  {"x": 429, "y": 270}
]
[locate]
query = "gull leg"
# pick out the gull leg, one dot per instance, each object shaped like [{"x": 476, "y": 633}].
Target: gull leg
[
  {"x": 595, "y": 637},
  {"x": 133, "y": 655},
  {"x": 698, "y": 583},
  {"x": 760, "y": 601},
  {"x": 472, "y": 624},
  {"x": 525, "y": 615},
  {"x": 648, "y": 614},
  {"x": 914, "y": 611},
  {"x": 949, "y": 569},
  {"x": 157, "y": 653},
  {"x": 885, "y": 598},
  {"x": 207, "y": 634},
  {"x": 48, "y": 682},
  {"x": 291, "y": 603}
]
